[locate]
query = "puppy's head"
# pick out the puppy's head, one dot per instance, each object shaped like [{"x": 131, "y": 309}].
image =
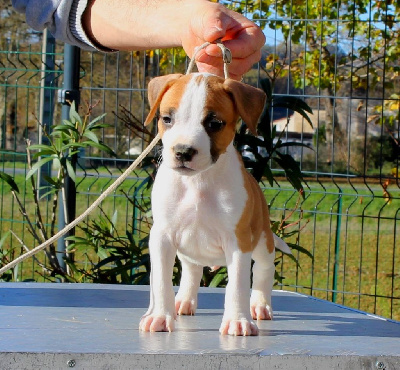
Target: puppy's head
[{"x": 198, "y": 117}]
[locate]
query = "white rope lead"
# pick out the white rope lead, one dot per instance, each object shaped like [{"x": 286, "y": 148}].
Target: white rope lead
[{"x": 227, "y": 57}]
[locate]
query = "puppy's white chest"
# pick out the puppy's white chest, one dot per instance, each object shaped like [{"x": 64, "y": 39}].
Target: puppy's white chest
[
  {"x": 199, "y": 215},
  {"x": 202, "y": 212}
]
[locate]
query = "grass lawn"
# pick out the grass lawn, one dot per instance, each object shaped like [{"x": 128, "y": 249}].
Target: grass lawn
[
  {"x": 353, "y": 233},
  {"x": 350, "y": 228}
]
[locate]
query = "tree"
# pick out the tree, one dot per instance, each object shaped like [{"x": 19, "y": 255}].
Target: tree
[
  {"x": 13, "y": 28},
  {"x": 352, "y": 46}
]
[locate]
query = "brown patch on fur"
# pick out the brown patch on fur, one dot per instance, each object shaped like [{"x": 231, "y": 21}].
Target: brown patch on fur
[
  {"x": 254, "y": 219},
  {"x": 229, "y": 99},
  {"x": 249, "y": 102},
  {"x": 171, "y": 101},
  {"x": 220, "y": 103},
  {"x": 157, "y": 88},
  {"x": 198, "y": 79}
]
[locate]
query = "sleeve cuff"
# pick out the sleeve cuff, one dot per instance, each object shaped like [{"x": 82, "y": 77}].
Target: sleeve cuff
[{"x": 76, "y": 27}]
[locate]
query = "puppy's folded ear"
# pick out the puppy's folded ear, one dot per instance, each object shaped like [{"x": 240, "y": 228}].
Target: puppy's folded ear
[
  {"x": 249, "y": 102},
  {"x": 158, "y": 86}
]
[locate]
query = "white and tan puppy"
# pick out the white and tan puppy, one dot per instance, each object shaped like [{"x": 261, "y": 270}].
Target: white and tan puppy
[{"x": 206, "y": 207}]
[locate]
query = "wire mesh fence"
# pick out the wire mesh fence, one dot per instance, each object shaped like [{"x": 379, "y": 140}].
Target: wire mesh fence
[{"x": 342, "y": 59}]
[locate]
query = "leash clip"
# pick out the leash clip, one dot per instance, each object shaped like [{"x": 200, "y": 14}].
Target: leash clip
[{"x": 226, "y": 53}]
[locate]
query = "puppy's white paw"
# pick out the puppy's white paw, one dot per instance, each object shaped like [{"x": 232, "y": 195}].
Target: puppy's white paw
[
  {"x": 185, "y": 307},
  {"x": 261, "y": 312},
  {"x": 242, "y": 327},
  {"x": 153, "y": 322}
]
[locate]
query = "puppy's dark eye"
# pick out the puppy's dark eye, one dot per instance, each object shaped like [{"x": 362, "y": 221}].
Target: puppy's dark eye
[
  {"x": 167, "y": 120},
  {"x": 214, "y": 125}
]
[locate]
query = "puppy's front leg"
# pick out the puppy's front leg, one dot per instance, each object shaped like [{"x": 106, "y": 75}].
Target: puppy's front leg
[
  {"x": 237, "y": 319},
  {"x": 161, "y": 313}
]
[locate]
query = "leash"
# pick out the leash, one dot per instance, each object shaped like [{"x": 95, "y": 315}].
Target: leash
[{"x": 227, "y": 58}]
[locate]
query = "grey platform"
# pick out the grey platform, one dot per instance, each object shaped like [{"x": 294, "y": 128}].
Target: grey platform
[{"x": 82, "y": 326}]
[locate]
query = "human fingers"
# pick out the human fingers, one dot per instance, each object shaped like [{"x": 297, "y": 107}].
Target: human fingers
[
  {"x": 237, "y": 68},
  {"x": 244, "y": 39},
  {"x": 242, "y": 44}
]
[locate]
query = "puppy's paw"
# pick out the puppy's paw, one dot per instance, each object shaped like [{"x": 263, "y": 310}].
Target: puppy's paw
[
  {"x": 242, "y": 327},
  {"x": 261, "y": 312},
  {"x": 185, "y": 307},
  {"x": 154, "y": 322}
]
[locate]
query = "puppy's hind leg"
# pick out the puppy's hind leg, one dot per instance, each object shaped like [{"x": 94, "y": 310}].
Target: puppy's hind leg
[
  {"x": 186, "y": 298},
  {"x": 263, "y": 280}
]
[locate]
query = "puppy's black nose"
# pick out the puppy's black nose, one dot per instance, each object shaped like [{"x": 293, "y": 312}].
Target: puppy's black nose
[{"x": 184, "y": 153}]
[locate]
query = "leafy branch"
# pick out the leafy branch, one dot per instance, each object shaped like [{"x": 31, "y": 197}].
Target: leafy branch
[{"x": 64, "y": 143}]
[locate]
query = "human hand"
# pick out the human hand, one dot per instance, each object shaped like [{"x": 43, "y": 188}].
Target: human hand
[
  {"x": 129, "y": 25},
  {"x": 211, "y": 21}
]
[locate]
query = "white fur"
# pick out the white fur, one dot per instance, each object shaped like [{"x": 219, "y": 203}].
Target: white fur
[{"x": 188, "y": 130}]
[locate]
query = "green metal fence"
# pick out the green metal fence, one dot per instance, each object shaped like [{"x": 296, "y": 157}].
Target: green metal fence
[{"x": 343, "y": 61}]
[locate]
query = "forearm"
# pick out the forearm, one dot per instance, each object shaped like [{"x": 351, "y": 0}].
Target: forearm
[{"x": 139, "y": 24}]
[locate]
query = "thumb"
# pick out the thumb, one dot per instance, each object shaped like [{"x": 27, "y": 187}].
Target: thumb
[{"x": 214, "y": 28}]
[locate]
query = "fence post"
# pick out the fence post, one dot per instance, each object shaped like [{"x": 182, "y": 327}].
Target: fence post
[
  {"x": 337, "y": 248},
  {"x": 47, "y": 95},
  {"x": 68, "y": 94}
]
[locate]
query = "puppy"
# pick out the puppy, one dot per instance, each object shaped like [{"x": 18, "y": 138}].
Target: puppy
[{"x": 206, "y": 207}]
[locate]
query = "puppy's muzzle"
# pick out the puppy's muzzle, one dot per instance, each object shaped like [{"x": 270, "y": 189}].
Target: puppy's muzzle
[{"x": 184, "y": 153}]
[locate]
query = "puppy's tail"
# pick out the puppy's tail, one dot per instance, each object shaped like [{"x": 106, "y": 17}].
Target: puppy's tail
[{"x": 281, "y": 245}]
